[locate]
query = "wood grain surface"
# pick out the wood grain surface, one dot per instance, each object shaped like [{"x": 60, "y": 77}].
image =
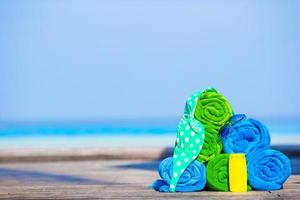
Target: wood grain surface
[{"x": 112, "y": 179}]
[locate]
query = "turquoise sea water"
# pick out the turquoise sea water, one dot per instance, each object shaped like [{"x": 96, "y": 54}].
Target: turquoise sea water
[{"x": 120, "y": 133}]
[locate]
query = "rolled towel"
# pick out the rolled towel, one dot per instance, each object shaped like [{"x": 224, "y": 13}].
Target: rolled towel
[
  {"x": 212, "y": 109},
  {"x": 218, "y": 173},
  {"x": 212, "y": 146},
  {"x": 268, "y": 169},
  {"x": 243, "y": 135},
  {"x": 193, "y": 178}
]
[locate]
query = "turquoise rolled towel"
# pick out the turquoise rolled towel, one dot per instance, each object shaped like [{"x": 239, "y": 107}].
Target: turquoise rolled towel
[
  {"x": 244, "y": 135},
  {"x": 193, "y": 178},
  {"x": 268, "y": 169}
]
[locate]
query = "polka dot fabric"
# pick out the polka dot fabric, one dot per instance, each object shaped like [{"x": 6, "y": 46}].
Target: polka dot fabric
[
  {"x": 189, "y": 142},
  {"x": 191, "y": 103}
]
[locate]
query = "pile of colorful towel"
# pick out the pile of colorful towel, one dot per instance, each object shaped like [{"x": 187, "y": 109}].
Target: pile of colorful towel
[{"x": 221, "y": 151}]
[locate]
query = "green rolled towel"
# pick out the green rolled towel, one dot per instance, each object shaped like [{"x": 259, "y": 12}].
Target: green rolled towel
[
  {"x": 213, "y": 110},
  {"x": 217, "y": 173},
  {"x": 212, "y": 146}
]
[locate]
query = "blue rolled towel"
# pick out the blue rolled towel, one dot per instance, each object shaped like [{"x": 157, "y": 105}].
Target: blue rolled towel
[
  {"x": 243, "y": 135},
  {"x": 193, "y": 178},
  {"x": 268, "y": 169}
]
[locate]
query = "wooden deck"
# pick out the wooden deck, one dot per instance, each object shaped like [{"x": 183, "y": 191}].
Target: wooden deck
[{"x": 102, "y": 179}]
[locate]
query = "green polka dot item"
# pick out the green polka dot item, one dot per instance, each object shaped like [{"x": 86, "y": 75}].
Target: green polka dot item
[{"x": 189, "y": 142}]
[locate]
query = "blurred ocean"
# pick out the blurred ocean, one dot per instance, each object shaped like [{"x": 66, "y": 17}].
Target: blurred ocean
[{"x": 137, "y": 133}]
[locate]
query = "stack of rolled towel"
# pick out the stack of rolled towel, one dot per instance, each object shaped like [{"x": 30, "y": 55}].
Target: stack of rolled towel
[{"x": 218, "y": 150}]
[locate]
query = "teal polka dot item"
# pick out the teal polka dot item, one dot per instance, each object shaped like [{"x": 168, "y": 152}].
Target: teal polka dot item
[
  {"x": 189, "y": 142},
  {"x": 191, "y": 102}
]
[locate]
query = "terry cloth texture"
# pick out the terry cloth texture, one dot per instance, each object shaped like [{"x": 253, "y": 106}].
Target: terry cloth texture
[
  {"x": 213, "y": 111},
  {"x": 243, "y": 135},
  {"x": 193, "y": 178},
  {"x": 268, "y": 169}
]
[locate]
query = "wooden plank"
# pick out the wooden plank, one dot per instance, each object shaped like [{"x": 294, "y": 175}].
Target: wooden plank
[{"x": 107, "y": 180}]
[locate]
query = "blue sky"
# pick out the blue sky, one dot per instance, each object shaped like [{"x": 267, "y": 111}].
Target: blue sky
[{"x": 66, "y": 60}]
